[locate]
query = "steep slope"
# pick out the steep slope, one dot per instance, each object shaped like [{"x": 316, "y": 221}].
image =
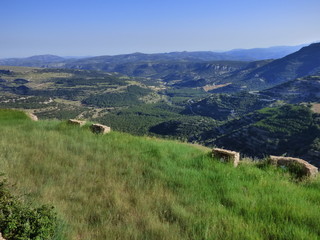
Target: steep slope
[
  {"x": 264, "y": 74},
  {"x": 301, "y": 63},
  {"x": 118, "y": 186}
]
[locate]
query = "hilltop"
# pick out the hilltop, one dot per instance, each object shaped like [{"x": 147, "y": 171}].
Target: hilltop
[
  {"x": 118, "y": 186},
  {"x": 34, "y": 61}
]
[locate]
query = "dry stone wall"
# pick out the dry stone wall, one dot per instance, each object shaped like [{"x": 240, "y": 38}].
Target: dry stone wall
[
  {"x": 226, "y": 155},
  {"x": 100, "y": 129},
  {"x": 307, "y": 168},
  {"x": 76, "y": 122}
]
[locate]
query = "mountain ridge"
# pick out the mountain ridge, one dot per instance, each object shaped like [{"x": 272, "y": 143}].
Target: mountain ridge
[
  {"x": 253, "y": 54},
  {"x": 302, "y": 63},
  {"x": 298, "y": 64}
]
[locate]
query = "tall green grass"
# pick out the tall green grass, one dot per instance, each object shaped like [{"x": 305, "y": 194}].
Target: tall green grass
[{"x": 118, "y": 186}]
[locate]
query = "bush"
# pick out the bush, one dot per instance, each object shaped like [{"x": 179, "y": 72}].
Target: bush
[
  {"x": 19, "y": 221},
  {"x": 297, "y": 170}
]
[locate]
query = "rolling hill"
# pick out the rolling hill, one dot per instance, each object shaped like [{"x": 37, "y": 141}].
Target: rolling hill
[
  {"x": 34, "y": 61},
  {"x": 87, "y": 63}
]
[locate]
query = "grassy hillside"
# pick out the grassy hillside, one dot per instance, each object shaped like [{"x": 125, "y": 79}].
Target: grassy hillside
[{"x": 118, "y": 186}]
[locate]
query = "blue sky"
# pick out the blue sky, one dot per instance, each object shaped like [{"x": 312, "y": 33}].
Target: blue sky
[{"x": 108, "y": 27}]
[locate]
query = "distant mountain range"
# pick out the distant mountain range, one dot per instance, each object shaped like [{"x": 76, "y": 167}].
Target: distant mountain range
[
  {"x": 233, "y": 70},
  {"x": 265, "y": 53},
  {"x": 302, "y": 63},
  {"x": 34, "y": 61},
  {"x": 233, "y": 55}
]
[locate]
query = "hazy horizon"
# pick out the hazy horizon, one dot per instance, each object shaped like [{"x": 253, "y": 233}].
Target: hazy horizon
[
  {"x": 217, "y": 51},
  {"x": 95, "y": 28}
]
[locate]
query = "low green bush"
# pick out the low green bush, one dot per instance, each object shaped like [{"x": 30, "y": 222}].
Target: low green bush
[{"x": 18, "y": 221}]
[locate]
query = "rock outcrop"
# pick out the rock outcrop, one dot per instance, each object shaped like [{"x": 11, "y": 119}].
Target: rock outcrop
[{"x": 226, "y": 156}]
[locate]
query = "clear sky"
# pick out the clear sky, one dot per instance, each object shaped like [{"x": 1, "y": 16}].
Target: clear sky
[{"x": 108, "y": 27}]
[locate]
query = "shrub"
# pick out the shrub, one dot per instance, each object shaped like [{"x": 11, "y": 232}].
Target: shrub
[
  {"x": 297, "y": 170},
  {"x": 18, "y": 221}
]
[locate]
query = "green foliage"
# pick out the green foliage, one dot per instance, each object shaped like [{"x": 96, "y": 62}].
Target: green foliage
[
  {"x": 19, "y": 221},
  {"x": 92, "y": 81},
  {"x": 138, "y": 119},
  {"x": 8, "y": 115},
  {"x": 224, "y": 106},
  {"x": 148, "y": 119},
  {"x": 185, "y": 92},
  {"x": 316, "y": 144},
  {"x": 30, "y": 102},
  {"x": 61, "y": 111},
  {"x": 297, "y": 170},
  {"x": 129, "y": 97},
  {"x": 288, "y": 120},
  {"x": 288, "y": 130}
]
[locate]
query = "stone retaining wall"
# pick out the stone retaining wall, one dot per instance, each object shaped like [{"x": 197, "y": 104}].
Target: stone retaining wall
[
  {"x": 307, "y": 168},
  {"x": 76, "y": 122},
  {"x": 100, "y": 129},
  {"x": 226, "y": 155}
]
